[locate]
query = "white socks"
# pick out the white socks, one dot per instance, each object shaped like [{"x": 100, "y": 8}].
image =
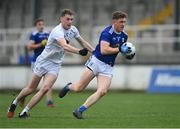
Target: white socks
[
  {"x": 15, "y": 101},
  {"x": 26, "y": 109}
]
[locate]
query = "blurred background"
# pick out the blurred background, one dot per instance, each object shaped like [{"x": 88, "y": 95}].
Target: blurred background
[{"x": 153, "y": 26}]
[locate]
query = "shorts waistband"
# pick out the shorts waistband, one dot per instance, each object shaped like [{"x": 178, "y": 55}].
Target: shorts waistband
[{"x": 103, "y": 61}]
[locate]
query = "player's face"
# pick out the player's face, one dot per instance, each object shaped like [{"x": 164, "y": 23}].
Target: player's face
[
  {"x": 67, "y": 21},
  {"x": 119, "y": 24},
  {"x": 40, "y": 26}
]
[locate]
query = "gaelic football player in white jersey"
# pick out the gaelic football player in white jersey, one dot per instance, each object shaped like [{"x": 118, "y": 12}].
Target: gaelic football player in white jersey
[{"x": 49, "y": 62}]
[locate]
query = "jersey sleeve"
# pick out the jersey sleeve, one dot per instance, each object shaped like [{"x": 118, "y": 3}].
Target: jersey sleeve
[
  {"x": 105, "y": 36},
  {"x": 32, "y": 37},
  {"x": 125, "y": 36},
  {"x": 76, "y": 32},
  {"x": 57, "y": 34}
]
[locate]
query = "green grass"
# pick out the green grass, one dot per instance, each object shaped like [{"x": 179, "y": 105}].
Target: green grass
[{"x": 116, "y": 109}]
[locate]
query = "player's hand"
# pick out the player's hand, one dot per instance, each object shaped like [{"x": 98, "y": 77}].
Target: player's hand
[
  {"x": 130, "y": 57},
  {"x": 44, "y": 42},
  {"x": 83, "y": 52},
  {"x": 124, "y": 48}
]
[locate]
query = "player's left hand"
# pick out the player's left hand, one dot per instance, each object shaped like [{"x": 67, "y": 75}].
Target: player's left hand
[
  {"x": 83, "y": 52},
  {"x": 124, "y": 48}
]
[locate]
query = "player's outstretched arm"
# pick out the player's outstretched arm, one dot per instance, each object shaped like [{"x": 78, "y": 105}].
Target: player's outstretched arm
[
  {"x": 62, "y": 42},
  {"x": 107, "y": 50},
  {"x": 85, "y": 44}
]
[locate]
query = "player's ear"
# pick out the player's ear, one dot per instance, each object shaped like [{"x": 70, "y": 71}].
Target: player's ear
[
  {"x": 61, "y": 19},
  {"x": 113, "y": 21}
]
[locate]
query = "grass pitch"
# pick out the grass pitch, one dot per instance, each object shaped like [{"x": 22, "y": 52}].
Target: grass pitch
[{"x": 115, "y": 110}]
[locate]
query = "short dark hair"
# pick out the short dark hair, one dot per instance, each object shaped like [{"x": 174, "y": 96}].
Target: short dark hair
[
  {"x": 66, "y": 11},
  {"x": 118, "y": 14},
  {"x": 38, "y": 20}
]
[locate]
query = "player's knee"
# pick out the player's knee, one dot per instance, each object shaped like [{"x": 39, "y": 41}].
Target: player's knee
[
  {"x": 45, "y": 89},
  {"x": 102, "y": 92},
  {"x": 78, "y": 87},
  {"x": 29, "y": 89}
]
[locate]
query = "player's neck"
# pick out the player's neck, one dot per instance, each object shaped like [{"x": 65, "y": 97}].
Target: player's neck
[
  {"x": 115, "y": 30},
  {"x": 64, "y": 27}
]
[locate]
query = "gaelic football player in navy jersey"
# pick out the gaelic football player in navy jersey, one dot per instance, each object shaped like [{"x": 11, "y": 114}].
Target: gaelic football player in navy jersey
[
  {"x": 38, "y": 39},
  {"x": 100, "y": 64},
  {"x": 48, "y": 63}
]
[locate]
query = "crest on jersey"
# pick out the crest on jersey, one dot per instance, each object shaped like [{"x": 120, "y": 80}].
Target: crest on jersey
[
  {"x": 114, "y": 38},
  {"x": 118, "y": 38}
]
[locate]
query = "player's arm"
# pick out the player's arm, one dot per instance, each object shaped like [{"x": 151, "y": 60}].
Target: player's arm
[
  {"x": 32, "y": 46},
  {"x": 106, "y": 49},
  {"x": 85, "y": 44},
  {"x": 62, "y": 42}
]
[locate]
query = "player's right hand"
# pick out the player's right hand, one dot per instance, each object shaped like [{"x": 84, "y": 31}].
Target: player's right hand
[
  {"x": 83, "y": 52},
  {"x": 124, "y": 48},
  {"x": 44, "y": 42}
]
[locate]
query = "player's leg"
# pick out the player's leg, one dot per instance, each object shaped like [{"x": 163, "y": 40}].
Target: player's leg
[
  {"x": 49, "y": 80},
  {"x": 84, "y": 80},
  {"x": 103, "y": 83},
  {"x": 30, "y": 88},
  {"x": 24, "y": 92},
  {"x": 22, "y": 101},
  {"x": 49, "y": 98}
]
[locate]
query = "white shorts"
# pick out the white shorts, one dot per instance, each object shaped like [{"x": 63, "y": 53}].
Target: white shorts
[
  {"x": 98, "y": 67},
  {"x": 42, "y": 67},
  {"x": 32, "y": 65}
]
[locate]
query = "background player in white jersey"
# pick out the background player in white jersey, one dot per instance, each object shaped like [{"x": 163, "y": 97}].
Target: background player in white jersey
[
  {"x": 100, "y": 65},
  {"x": 49, "y": 62},
  {"x": 38, "y": 40}
]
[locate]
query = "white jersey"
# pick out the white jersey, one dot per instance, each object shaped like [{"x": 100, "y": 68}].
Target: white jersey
[{"x": 53, "y": 51}]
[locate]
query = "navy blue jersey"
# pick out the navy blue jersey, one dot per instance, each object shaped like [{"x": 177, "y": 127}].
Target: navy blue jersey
[
  {"x": 37, "y": 37},
  {"x": 115, "y": 39}
]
